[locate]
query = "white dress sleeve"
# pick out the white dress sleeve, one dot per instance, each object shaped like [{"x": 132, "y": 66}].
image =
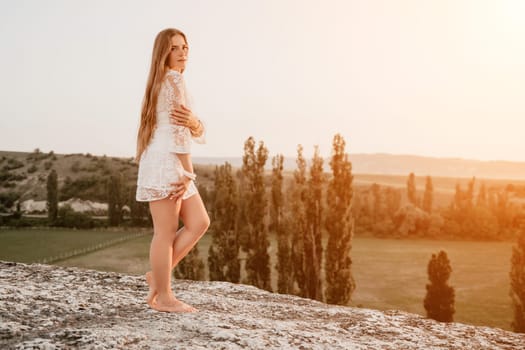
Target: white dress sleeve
[{"x": 181, "y": 134}]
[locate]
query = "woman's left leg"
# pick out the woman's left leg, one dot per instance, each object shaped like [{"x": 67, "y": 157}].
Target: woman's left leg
[{"x": 196, "y": 221}]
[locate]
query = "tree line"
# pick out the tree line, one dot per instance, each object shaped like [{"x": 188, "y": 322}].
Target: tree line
[
  {"x": 481, "y": 214},
  {"x": 243, "y": 215},
  {"x": 313, "y": 206}
]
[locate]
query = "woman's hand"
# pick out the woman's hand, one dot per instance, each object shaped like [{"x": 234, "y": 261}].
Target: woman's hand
[
  {"x": 184, "y": 116},
  {"x": 179, "y": 188}
]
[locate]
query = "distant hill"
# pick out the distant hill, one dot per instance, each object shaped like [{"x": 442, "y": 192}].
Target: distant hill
[
  {"x": 23, "y": 175},
  {"x": 391, "y": 164}
]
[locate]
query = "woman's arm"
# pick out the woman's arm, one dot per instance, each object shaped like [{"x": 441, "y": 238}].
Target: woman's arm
[
  {"x": 183, "y": 116},
  {"x": 196, "y": 127},
  {"x": 180, "y": 187},
  {"x": 185, "y": 159},
  {"x": 182, "y": 135}
]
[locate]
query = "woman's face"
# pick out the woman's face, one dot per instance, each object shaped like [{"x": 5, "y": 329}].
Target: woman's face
[{"x": 178, "y": 54}]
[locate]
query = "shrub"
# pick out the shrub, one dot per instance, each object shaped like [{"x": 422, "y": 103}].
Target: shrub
[
  {"x": 67, "y": 217},
  {"x": 22, "y": 221},
  {"x": 75, "y": 167},
  {"x": 7, "y": 176},
  {"x": 12, "y": 164},
  {"x": 86, "y": 187},
  {"x": 37, "y": 155},
  {"x": 7, "y": 199},
  {"x": 32, "y": 169}
]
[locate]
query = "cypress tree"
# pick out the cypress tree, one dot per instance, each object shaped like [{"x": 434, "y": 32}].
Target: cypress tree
[
  {"x": 114, "y": 200},
  {"x": 313, "y": 249},
  {"x": 340, "y": 227},
  {"x": 470, "y": 193},
  {"x": 463, "y": 202},
  {"x": 502, "y": 209},
  {"x": 223, "y": 254},
  {"x": 393, "y": 201},
  {"x": 469, "y": 218},
  {"x": 411, "y": 189},
  {"x": 482, "y": 196},
  {"x": 52, "y": 197},
  {"x": 458, "y": 197},
  {"x": 377, "y": 202},
  {"x": 428, "y": 196},
  {"x": 255, "y": 241},
  {"x": 517, "y": 283},
  {"x": 299, "y": 224},
  {"x": 439, "y": 300},
  {"x": 278, "y": 227}
]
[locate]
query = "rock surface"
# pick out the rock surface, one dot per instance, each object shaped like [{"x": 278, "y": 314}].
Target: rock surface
[{"x": 50, "y": 307}]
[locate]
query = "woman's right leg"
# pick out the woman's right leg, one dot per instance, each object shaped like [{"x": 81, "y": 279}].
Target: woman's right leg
[{"x": 165, "y": 223}]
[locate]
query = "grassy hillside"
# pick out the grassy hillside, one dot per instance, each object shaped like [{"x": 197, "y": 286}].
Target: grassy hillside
[
  {"x": 23, "y": 175},
  {"x": 26, "y": 173}
]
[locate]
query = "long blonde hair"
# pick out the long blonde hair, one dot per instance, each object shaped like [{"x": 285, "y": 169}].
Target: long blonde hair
[{"x": 158, "y": 69}]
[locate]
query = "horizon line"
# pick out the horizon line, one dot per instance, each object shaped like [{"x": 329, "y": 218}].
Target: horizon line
[{"x": 295, "y": 156}]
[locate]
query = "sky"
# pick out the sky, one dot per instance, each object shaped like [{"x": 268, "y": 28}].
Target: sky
[{"x": 440, "y": 78}]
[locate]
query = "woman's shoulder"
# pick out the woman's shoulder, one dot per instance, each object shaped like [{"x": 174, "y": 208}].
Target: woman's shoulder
[
  {"x": 174, "y": 74},
  {"x": 174, "y": 77}
]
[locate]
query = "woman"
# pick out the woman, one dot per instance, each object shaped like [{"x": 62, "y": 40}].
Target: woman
[{"x": 165, "y": 177}]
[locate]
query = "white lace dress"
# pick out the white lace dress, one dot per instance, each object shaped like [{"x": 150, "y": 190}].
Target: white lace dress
[{"x": 159, "y": 165}]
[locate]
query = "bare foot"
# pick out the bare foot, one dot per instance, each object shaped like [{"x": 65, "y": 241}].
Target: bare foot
[
  {"x": 172, "y": 305},
  {"x": 188, "y": 306},
  {"x": 152, "y": 296}
]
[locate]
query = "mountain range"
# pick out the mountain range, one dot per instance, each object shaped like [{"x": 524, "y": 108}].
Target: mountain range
[{"x": 392, "y": 164}]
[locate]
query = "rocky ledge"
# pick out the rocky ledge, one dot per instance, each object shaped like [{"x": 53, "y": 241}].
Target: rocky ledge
[{"x": 50, "y": 307}]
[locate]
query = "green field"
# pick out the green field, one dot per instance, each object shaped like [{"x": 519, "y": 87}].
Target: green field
[
  {"x": 390, "y": 273},
  {"x": 33, "y": 245}
]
